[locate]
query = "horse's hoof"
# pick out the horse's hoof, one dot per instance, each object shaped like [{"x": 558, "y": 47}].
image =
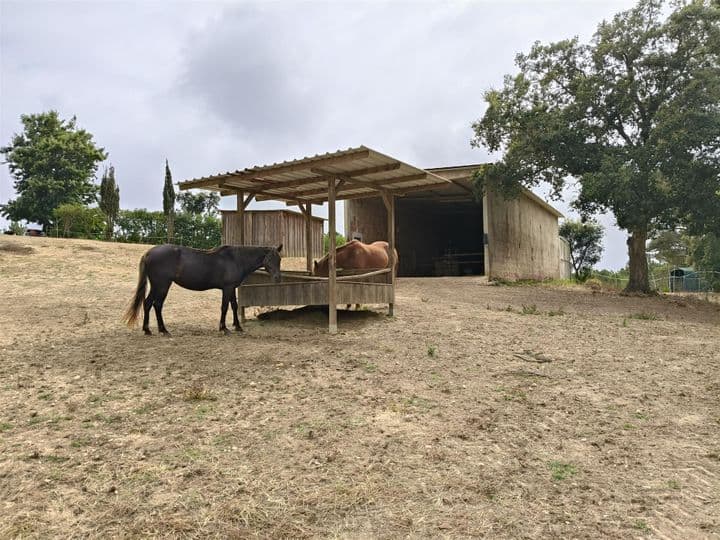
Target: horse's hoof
[
  {"x": 147, "y": 332},
  {"x": 166, "y": 334},
  {"x": 239, "y": 329},
  {"x": 225, "y": 331}
]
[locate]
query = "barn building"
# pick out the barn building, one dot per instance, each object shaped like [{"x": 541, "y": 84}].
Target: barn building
[
  {"x": 447, "y": 232},
  {"x": 437, "y": 226}
]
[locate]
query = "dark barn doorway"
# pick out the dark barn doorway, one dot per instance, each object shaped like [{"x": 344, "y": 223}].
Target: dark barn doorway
[{"x": 439, "y": 238}]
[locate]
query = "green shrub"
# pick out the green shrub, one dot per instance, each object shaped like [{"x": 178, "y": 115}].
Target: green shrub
[{"x": 340, "y": 240}]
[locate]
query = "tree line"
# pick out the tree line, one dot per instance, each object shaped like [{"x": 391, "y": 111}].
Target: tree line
[{"x": 54, "y": 163}]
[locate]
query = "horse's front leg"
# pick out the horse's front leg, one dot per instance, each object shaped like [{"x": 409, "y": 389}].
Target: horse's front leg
[
  {"x": 223, "y": 309},
  {"x": 234, "y": 305}
]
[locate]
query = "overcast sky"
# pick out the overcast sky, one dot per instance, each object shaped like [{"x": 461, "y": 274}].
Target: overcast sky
[{"x": 217, "y": 86}]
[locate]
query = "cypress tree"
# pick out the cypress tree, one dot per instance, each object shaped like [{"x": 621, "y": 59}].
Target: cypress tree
[
  {"x": 169, "y": 203},
  {"x": 109, "y": 201}
]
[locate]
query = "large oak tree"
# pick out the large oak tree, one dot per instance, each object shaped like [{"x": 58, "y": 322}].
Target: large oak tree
[
  {"x": 53, "y": 162},
  {"x": 633, "y": 116}
]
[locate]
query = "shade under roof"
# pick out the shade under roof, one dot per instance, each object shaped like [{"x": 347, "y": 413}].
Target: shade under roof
[{"x": 361, "y": 172}]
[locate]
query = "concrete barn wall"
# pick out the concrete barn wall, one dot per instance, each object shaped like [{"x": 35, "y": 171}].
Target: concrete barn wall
[
  {"x": 523, "y": 239},
  {"x": 367, "y": 217}
]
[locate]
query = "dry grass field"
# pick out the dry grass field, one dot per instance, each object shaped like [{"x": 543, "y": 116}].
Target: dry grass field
[{"x": 477, "y": 411}]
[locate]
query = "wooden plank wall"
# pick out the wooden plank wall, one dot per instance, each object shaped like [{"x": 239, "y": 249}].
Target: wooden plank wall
[
  {"x": 309, "y": 293},
  {"x": 270, "y": 228}
]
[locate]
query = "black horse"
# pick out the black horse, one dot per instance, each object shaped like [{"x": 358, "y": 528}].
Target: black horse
[{"x": 222, "y": 268}]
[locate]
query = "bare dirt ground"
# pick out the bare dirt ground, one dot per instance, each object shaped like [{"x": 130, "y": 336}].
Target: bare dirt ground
[{"x": 477, "y": 411}]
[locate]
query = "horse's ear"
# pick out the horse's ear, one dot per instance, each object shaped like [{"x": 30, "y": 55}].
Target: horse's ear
[{"x": 279, "y": 248}]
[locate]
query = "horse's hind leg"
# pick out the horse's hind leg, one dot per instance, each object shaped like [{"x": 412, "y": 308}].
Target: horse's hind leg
[
  {"x": 147, "y": 306},
  {"x": 234, "y": 305},
  {"x": 159, "y": 294},
  {"x": 226, "y": 294}
]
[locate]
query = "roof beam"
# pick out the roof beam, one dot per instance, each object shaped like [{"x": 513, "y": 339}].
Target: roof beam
[
  {"x": 269, "y": 184},
  {"x": 399, "y": 192},
  {"x": 370, "y": 184},
  {"x": 360, "y": 172},
  {"x": 261, "y": 195},
  {"x": 425, "y": 187},
  {"x": 462, "y": 186}
]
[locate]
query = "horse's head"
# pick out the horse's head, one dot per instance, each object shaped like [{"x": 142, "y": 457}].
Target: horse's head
[
  {"x": 320, "y": 268},
  {"x": 271, "y": 263}
]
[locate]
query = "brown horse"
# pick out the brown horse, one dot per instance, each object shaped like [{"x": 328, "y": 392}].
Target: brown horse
[
  {"x": 223, "y": 268},
  {"x": 358, "y": 256}
]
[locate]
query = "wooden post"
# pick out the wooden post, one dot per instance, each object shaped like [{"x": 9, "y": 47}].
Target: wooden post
[
  {"x": 389, "y": 200},
  {"x": 241, "y": 215},
  {"x": 332, "y": 268},
  {"x": 307, "y": 211},
  {"x": 486, "y": 236},
  {"x": 241, "y": 222}
]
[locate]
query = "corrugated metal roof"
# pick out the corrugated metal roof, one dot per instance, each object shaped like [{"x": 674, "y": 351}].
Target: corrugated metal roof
[{"x": 361, "y": 171}]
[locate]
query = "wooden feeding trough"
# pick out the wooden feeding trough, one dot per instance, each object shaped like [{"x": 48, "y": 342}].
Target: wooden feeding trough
[
  {"x": 300, "y": 289},
  {"x": 346, "y": 174}
]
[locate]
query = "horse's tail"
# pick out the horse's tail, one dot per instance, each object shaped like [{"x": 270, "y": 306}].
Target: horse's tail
[
  {"x": 392, "y": 257},
  {"x": 133, "y": 309}
]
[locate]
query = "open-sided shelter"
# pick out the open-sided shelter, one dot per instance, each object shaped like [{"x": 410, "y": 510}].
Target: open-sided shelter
[
  {"x": 355, "y": 173},
  {"x": 450, "y": 232}
]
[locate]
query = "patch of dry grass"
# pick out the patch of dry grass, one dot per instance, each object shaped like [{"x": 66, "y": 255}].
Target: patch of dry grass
[
  {"x": 16, "y": 248},
  {"x": 288, "y": 432}
]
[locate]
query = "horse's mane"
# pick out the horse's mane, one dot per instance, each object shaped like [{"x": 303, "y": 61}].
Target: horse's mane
[
  {"x": 210, "y": 251},
  {"x": 221, "y": 249},
  {"x": 340, "y": 249}
]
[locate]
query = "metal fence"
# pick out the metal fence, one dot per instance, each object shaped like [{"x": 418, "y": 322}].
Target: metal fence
[
  {"x": 197, "y": 241},
  {"x": 663, "y": 280}
]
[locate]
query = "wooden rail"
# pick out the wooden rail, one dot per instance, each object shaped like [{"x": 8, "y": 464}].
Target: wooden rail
[{"x": 353, "y": 277}]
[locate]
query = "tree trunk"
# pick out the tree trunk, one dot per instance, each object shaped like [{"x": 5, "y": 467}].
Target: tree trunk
[
  {"x": 170, "y": 227},
  {"x": 639, "y": 278},
  {"x": 109, "y": 226}
]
